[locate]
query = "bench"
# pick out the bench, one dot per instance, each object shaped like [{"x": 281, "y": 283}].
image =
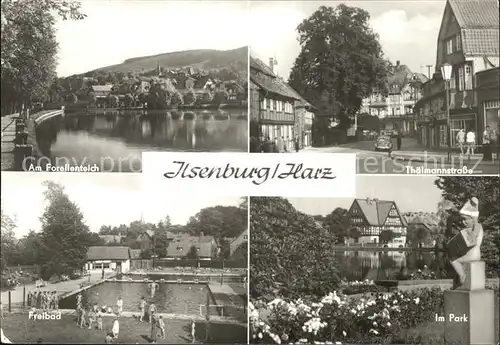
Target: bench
[{"x": 390, "y": 285}]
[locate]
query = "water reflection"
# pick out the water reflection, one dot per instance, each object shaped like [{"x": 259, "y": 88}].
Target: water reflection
[
  {"x": 388, "y": 265},
  {"x": 107, "y": 138}
]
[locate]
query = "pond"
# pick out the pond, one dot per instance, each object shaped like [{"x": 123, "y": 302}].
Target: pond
[
  {"x": 182, "y": 299},
  {"x": 390, "y": 265},
  {"x": 115, "y": 140}
]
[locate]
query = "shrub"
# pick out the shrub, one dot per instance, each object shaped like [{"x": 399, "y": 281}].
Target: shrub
[{"x": 336, "y": 318}]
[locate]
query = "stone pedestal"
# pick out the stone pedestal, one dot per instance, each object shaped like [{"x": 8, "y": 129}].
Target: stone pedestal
[
  {"x": 469, "y": 312},
  {"x": 475, "y": 276}
]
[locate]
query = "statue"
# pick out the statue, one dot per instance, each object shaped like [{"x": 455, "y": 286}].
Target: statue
[{"x": 465, "y": 246}]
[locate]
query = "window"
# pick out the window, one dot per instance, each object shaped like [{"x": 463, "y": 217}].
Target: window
[
  {"x": 461, "y": 78},
  {"x": 449, "y": 47},
  {"x": 459, "y": 42},
  {"x": 468, "y": 77},
  {"x": 271, "y": 104},
  {"x": 245, "y": 237},
  {"x": 453, "y": 79}
]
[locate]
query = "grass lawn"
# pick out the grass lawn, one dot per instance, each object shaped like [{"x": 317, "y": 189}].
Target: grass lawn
[{"x": 19, "y": 329}]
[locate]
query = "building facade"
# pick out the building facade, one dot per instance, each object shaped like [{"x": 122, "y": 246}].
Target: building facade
[
  {"x": 372, "y": 216},
  {"x": 272, "y": 104},
  {"x": 206, "y": 247},
  {"x": 395, "y": 107},
  {"x": 468, "y": 40},
  {"x": 111, "y": 259},
  {"x": 488, "y": 100}
]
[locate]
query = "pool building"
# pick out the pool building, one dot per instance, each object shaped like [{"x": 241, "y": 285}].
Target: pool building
[{"x": 115, "y": 259}]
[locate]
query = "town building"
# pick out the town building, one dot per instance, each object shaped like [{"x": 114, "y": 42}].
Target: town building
[
  {"x": 395, "y": 106},
  {"x": 115, "y": 259},
  {"x": 373, "y": 216},
  {"x": 235, "y": 243},
  {"x": 488, "y": 100},
  {"x": 469, "y": 41},
  {"x": 180, "y": 246},
  {"x": 272, "y": 103},
  {"x": 146, "y": 240}
]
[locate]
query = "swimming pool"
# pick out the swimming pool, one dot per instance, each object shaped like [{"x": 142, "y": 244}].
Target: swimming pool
[{"x": 169, "y": 298}]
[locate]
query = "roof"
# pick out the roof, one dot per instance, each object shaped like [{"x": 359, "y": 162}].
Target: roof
[
  {"x": 476, "y": 14},
  {"x": 264, "y": 78},
  {"x": 480, "y": 23},
  {"x": 181, "y": 246},
  {"x": 108, "y": 253},
  {"x": 401, "y": 75},
  {"x": 135, "y": 253},
  {"x": 102, "y": 88},
  {"x": 200, "y": 83},
  {"x": 376, "y": 211}
]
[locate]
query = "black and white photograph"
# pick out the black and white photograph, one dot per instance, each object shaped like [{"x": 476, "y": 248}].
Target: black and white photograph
[
  {"x": 405, "y": 85},
  {"x": 407, "y": 261},
  {"x": 90, "y": 85},
  {"x": 97, "y": 259}
]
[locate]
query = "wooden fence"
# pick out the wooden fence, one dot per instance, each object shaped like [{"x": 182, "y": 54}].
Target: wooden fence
[{"x": 150, "y": 263}]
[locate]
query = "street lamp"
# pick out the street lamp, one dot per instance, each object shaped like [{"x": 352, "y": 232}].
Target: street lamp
[{"x": 446, "y": 70}]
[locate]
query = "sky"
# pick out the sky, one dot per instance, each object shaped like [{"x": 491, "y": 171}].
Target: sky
[
  {"x": 408, "y": 29},
  {"x": 104, "y": 199},
  {"x": 116, "y": 30},
  {"x": 411, "y": 194}
]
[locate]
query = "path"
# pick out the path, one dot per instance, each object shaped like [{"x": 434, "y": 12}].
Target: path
[
  {"x": 8, "y": 136},
  {"x": 234, "y": 305},
  {"x": 60, "y": 287}
]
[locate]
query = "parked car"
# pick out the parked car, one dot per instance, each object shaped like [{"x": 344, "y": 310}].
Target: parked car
[
  {"x": 396, "y": 243},
  {"x": 383, "y": 143}
]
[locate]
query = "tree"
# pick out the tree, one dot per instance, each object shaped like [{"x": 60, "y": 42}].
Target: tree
[
  {"x": 244, "y": 203},
  {"x": 219, "y": 221},
  {"x": 291, "y": 255},
  {"x": 30, "y": 248},
  {"x": 337, "y": 224},
  {"x": 220, "y": 97},
  {"x": 113, "y": 101},
  {"x": 8, "y": 240},
  {"x": 129, "y": 100},
  {"x": 207, "y": 96},
  {"x": 386, "y": 236},
  {"x": 190, "y": 98},
  {"x": 370, "y": 122},
  {"x": 225, "y": 249},
  {"x": 193, "y": 253},
  {"x": 354, "y": 233},
  {"x": 340, "y": 62},
  {"x": 29, "y": 48},
  {"x": 72, "y": 98},
  {"x": 457, "y": 190},
  {"x": 65, "y": 237},
  {"x": 92, "y": 99},
  {"x": 176, "y": 99}
]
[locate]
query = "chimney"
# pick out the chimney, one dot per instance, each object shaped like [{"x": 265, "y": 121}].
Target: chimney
[
  {"x": 398, "y": 63},
  {"x": 275, "y": 67},
  {"x": 271, "y": 64},
  {"x": 201, "y": 234},
  {"x": 375, "y": 199}
]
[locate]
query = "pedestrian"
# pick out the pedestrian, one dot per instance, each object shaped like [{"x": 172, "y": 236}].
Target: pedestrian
[
  {"x": 92, "y": 318},
  {"x": 82, "y": 317},
  {"x": 193, "y": 331},
  {"x": 399, "y": 140},
  {"x": 461, "y": 140},
  {"x": 142, "y": 308},
  {"x": 109, "y": 338},
  {"x": 487, "y": 154},
  {"x": 471, "y": 142},
  {"x": 119, "y": 306},
  {"x": 79, "y": 299},
  {"x": 99, "y": 321},
  {"x": 79, "y": 314},
  {"x": 161, "y": 325},
  {"x": 116, "y": 328},
  {"x": 102, "y": 275},
  {"x": 1, "y": 310},
  {"x": 280, "y": 145},
  {"x": 296, "y": 144},
  {"x": 152, "y": 311},
  {"x": 28, "y": 299},
  {"x": 153, "y": 330}
]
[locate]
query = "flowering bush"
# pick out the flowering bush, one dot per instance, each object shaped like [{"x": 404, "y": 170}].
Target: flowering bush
[
  {"x": 417, "y": 275},
  {"x": 358, "y": 287},
  {"x": 338, "y": 319}
]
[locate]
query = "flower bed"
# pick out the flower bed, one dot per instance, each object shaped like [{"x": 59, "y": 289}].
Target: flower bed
[
  {"x": 418, "y": 275},
  {"x": 337, "y": 319}
]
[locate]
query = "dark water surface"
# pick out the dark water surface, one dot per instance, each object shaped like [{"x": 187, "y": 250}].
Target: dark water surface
[
  {"x": 115, "y": 140},
  {"x": 390, "y": 265}
]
